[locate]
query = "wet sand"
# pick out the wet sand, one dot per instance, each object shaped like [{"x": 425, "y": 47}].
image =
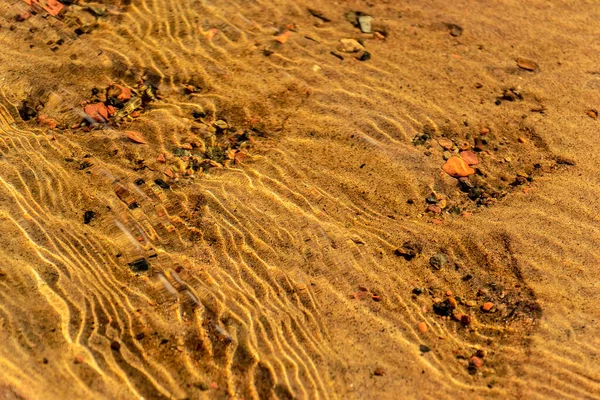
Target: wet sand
[{"x": 223, "y": 200}]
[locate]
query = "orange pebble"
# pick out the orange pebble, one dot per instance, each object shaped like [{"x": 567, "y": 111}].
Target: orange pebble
[
  {"x": 476, "y": 362},
  {"x": 53, "y": 7},
  {"x": 453, "y": 302},
  {"x": 283, "y": 37},
  {"x": 422, "y": 326},
  {"x": 97, "y": 111},
  {"x": 446, "y": 143},
  {"x": 43, "y": 119},
  {"x": 211, "y": 33},
  {"x": 457, "y": 167},
  {"x": 487, "y": 306},
  {"x": 135, "y": 137}
]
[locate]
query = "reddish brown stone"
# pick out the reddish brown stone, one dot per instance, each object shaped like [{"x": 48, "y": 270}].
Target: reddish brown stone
[
  {"x": 24, "y": 16},
  {"x": 434, "y": 209},
  {"x": 527, "y": 64},
  {"x": 479, "y": 146},
  {"x": 446, "y": 143},
  {"x": 135, "y": 137},
  {"x": 97, "y": 111},
  {"x": 358, "y": 295},
  {"x": 125, "y": 93},
  {"x": 44, "y": 120},
  {"x": 53, "y": 7},
  {"x": 476, "y": 362},
  {"x": 470, "y": 157}
]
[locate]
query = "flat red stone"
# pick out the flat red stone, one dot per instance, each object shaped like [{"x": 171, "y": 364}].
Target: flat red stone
[
  {"x": 135, "y": 137},
  {"x": 97, "y": 111},
  {"x": 469, "y": 157}
]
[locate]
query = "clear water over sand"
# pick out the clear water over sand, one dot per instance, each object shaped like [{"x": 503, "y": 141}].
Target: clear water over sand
[{"x": 226, "y": 199}]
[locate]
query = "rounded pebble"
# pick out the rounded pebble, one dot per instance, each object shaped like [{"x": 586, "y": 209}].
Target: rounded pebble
[
  {"x": 476, "y": 362},
  {"x": 457, "y": 167}
]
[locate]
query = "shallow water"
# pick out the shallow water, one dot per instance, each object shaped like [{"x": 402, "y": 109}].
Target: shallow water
[{"x": 243, "y": 242}]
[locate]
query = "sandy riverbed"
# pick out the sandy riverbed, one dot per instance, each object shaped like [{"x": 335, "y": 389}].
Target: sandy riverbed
[{"x": 221, "y": 199}]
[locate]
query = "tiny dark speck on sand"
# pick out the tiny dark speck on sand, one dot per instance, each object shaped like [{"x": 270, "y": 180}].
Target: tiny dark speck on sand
[
  {"x": 88, "y": 216},
  {"x": 162, "y": 184}
]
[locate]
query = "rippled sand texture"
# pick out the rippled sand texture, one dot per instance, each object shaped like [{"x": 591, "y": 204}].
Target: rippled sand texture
[{"x": 275, "y": 276}]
